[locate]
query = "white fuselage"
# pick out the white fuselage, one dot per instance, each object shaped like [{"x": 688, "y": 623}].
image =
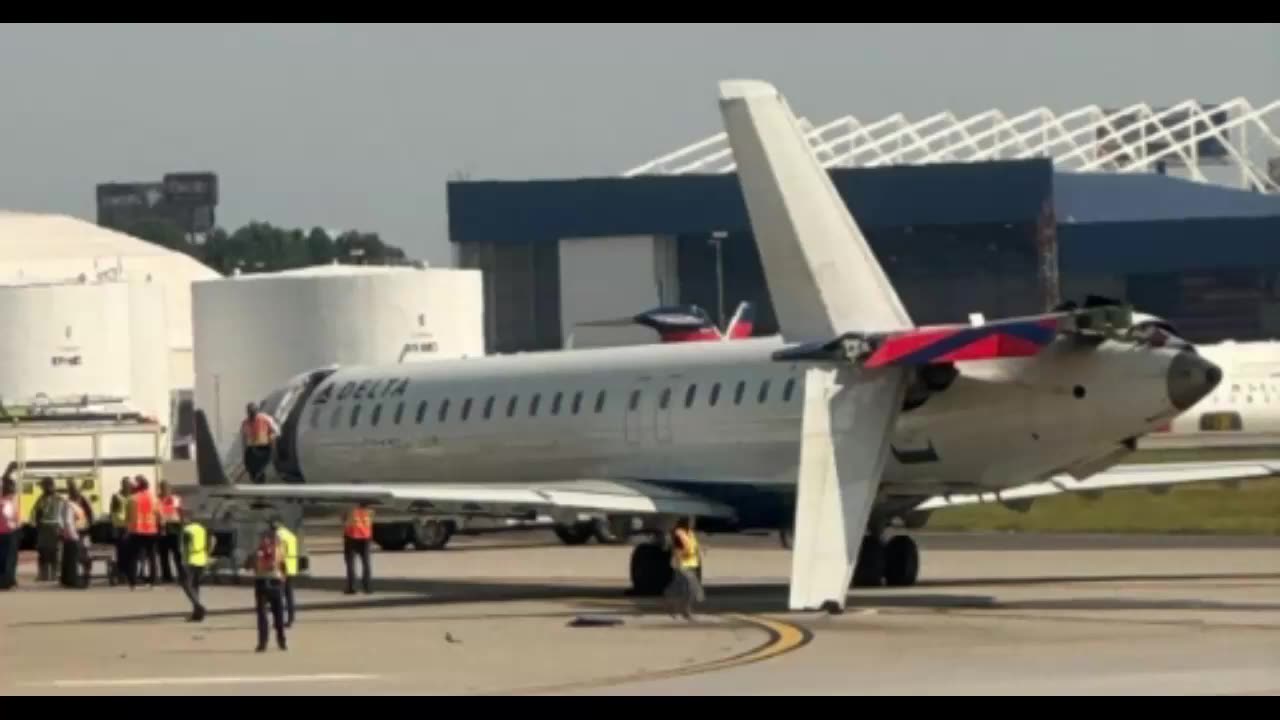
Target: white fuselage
[
  {"x": 713, "y": 413},
  {"x": 1243, "y": 410}
]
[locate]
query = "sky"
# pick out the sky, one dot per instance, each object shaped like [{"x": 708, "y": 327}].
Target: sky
[{"x": 359, "y": 126}]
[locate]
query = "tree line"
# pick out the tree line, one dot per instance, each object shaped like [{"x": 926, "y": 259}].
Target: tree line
[{"x": 262, "y": 247}]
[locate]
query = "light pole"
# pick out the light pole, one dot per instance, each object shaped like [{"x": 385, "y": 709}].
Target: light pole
[{"x": 717, "y": 241}]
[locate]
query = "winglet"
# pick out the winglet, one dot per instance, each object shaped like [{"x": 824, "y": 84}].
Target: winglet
[
  {"x": 209, "y": 471},
  {"x": 822, "y": 274}
]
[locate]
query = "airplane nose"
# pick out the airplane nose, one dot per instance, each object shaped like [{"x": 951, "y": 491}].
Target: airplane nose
[{"x": 1190, "y": 379}]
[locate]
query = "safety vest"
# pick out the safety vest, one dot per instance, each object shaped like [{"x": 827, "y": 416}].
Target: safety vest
[
  {"x": 359, "y": 524},
  {"x": 50, "y": 510},
  {"x": 119, "y": 511},
  {"x": 171, "y": 508},
  {"x": 289, "y": 544},
  {"x": 197, "y": 541},
  {"x": 266, "y": 562},
  {"x": 688, "y": 550},
  {"x": 143, "y": 511},
  {"x": 256, "y": 431},
  {"x": 8, "y": 515}
]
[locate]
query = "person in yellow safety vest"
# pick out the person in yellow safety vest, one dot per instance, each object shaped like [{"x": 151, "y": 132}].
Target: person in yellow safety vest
[
  {"x": 170, "y": 533},
  {"x": 268, "y": 566},
  {"x": 47, "y": 515},
  {"x": 195, "y": 554},
  {"x": 120, "y": 525},
  {"x": 686, "y": 560},
  {"x": 288, "y": 545},
  {"x": 258, "y": 432}
]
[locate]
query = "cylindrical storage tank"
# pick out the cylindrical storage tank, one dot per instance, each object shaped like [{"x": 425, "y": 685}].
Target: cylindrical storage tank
[
  {"x": 151, "y": 384},
  {"x": 64, "y": 341},
  {"x": 253, "y": 333}
]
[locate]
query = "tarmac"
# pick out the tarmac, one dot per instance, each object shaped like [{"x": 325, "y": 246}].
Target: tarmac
[{"x": 994, "y": 614}]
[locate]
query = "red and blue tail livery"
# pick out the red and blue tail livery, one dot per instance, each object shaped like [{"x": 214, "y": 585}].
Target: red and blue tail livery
[{"x": 944, "y": 345}]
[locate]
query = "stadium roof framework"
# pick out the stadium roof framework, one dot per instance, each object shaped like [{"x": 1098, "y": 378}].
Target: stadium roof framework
[{"x": 1190, "y": 136}]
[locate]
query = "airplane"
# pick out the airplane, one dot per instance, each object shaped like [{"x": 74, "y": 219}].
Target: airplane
[
  {"x": 848, "y": 418},
  {"x": 683, "y": 323}
]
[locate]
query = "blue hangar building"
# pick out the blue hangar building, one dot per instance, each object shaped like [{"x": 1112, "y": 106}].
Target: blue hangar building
[{"x": 1001, "y": 238}]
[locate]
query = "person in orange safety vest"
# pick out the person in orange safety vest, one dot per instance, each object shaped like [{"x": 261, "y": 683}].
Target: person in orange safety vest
[
  {"x": 357, "y": 537},
  {"x": 170, "y": 536},
  {"x": 142, "y": 522},
  {"x": 258, "y": 432}
]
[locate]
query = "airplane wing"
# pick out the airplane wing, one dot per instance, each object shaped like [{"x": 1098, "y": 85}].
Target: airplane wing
[
  {"x": 512, "y": 500},
  {"x": 1154, "y": 477}
]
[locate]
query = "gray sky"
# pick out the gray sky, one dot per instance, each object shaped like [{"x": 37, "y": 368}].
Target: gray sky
[{"x": 359, "y": 126}]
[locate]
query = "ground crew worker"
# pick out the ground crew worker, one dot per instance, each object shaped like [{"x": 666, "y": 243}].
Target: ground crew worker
[
  {"x": 170, "y": 532},
  {"x": 120, "y": 525},
  {"x": 77, "y": 517},
  {"x": 9, "y": 534},
  {"x": 48, "y": 516},
  {"x": 268, "y": 566},
  {"x": 259, "y": 432},
  {"x": 143, "y": 519},
  {"x": 289, "y": 545},
  {"x": 357, "y": 536},
  {"x": 686, "y": 559},
  {"x": 195, "y": 552}
]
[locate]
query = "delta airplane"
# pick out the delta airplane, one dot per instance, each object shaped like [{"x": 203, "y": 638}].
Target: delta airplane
[{"x": 851, "y": 417}]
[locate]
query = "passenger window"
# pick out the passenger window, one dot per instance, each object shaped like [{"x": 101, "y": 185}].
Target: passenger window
[
  {"x": 511, "y": 405},
  {"x": 635, "y": 400},
  {"x": 789, "y": 391},
  {"x": 555, "y": 403},
  {"x": 488, "y": 406},
  {"x": 333, "y": 421},
  {"x": 315, "y": 417},
  {"x": 399, "y": 413},
  {"x": 444, "y": 411},
  {"x": 577, "y": 402},
  {"x": 466, "y": 410},
  {"x": 355, "y": 416},
  {"x": 739, "y": 393},
  {"x": 377, "y": 415},
  {"x": 422, "y": 412},
  {"x": 690, "y": 396},
  {"x": 665, "y": 402},
  {"x": 764, "y": 392},
  {"x": 600, "y": 402},
  {"x": 533, "y": 405},
  {"x": 715, "y": 395}
]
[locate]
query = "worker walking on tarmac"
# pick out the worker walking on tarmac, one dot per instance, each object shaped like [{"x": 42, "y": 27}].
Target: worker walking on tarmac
[
  {"x": 268, "y": 566},
  {"x": 9, "y": 534},
  {"x": 686, "y": 560},
  {"x": 48, "y": 516},
  {"x": 195, "y": 553},
  {"x": 289, "y": 545},
  {"x": 357, "y": 536},
  {"x": 259, "y": 432},
  {"x": 77, "y": 517},
  {"x": 120, "y": 526},
  {"x": 170, "y": 533},
  {"x": 143, "y": 519}
]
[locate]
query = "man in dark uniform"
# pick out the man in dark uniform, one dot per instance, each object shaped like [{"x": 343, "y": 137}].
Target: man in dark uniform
[
  {"x": 268, "y": 566},
  {"x": 47, "y": 515}
]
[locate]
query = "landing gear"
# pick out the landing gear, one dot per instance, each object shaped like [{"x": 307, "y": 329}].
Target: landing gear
[
  {"x": 576, "y": 534},
  {"x": 650, "y": 570},
  {"x": 614, "y": 530},
  {"x": 431, "y": 534},
  {"x": 895, "y": 564}
]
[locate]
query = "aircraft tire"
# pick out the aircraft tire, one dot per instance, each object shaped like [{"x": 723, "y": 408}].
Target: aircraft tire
[
  {"x": 393, "y": 537},
  {"x": 650, "y": 570},
  {"x": 576, "y": 534},
  {"x": 869, "y": 572},
  {"x": 432, "y": 534},
  {"x": 902, "y": 562},
  {"x": 615, "y": 530}
]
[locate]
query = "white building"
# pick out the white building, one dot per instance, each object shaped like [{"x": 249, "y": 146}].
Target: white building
[{"x": 253, "y": 333}]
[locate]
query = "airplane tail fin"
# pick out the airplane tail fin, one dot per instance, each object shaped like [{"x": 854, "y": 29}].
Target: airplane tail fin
[
  {"x": 209, "y": 470},
  {"x": 743, "y": 324},
  {"x": 823, "y": 276}
]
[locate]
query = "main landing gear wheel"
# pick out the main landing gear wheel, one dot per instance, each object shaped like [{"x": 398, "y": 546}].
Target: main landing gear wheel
[
  {"x": 612, "y": 531},
  {"x": 576, "y": 534},
  {"x": 650, "y": 570},
  {"x": 432, "y": 534},
  {"x": 902, "y": 562},
  {"x": 869, "y": 572}
]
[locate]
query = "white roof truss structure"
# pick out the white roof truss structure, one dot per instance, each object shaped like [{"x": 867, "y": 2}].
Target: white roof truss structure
[{"x": 1189, "y": 136}]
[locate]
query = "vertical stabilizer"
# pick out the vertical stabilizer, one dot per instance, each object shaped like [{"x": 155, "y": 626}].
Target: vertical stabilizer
[{"x": 823, "y": 277}]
